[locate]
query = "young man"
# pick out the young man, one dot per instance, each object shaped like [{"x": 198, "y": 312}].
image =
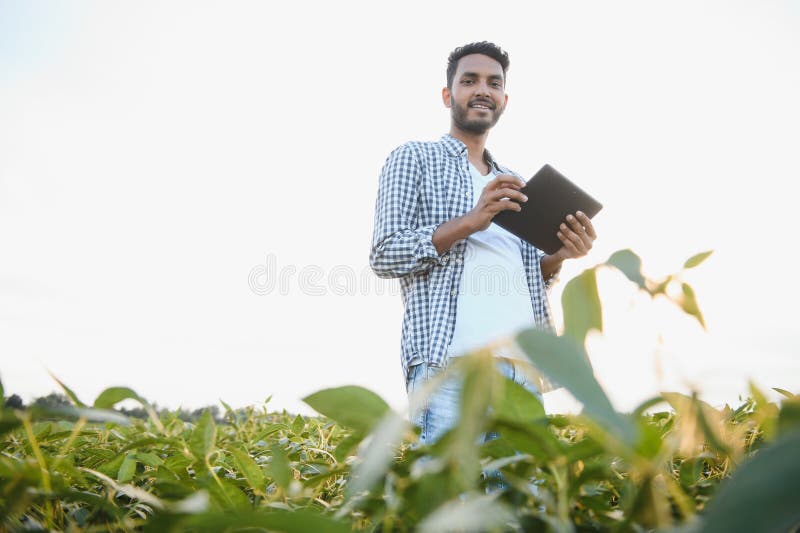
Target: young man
[{"x": 433, "y": 231}]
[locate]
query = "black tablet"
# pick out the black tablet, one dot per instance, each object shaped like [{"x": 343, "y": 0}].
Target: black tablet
[{"x": 551, "y": 197}]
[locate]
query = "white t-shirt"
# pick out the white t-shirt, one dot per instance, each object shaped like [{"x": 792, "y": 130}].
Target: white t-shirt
[{"x": 493, "y": 296}]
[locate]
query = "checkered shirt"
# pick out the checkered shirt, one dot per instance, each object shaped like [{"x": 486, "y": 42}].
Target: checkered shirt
[{"x": 422, "y": 185}]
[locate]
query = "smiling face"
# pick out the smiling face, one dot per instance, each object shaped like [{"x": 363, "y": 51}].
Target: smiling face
[{"x": 477, "y": 97}]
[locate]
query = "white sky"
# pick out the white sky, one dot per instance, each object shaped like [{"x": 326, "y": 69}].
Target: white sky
[{"x": 152, "y": 155}]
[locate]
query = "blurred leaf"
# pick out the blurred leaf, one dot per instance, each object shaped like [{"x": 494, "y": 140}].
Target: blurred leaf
[
  {"x": 249, "y": 469},
  {"x": 347, "y": 445},
  {"x": 8, "y": 421},
  {"x": 697, "y": 415},
  {"x": 533, "y": 439},
  {"x": 127, "y": 469},
  {"x": 630, "y": 265},
  {"x": 762, "y": 495},
  {"x": 278, "y": 520},
  {"x": 581, "y": 304},
  {"x": 650, "y": 442},
  {"x": 298, "y": 425},
  {"x": 377, "y": 457},
  {"x": 225, "y": 495},
  {"x": 68, "y": 392},
  {"x": 642, "y": 408},
  {"x": 351, "y": 406},
  {"x": 478, "y": 374},
  {"x": 784, "y": 392},
  {"x": 689, "y": 304},
  {"x": 201, "y": 441},
  {"x": 515, "y": 403},
  {"x": 279, "y": 467},
  {"x": 113, "y": 395},
  {"x": 67, "y": 413},
  {"x": 470, "y": 513},
  {"x": 651, "y": 507},
  {"x": 691, "y": 470},
  {"x": 111, "y": 468},
  {"x": 150, "y": 459},
  {"x": 695, "y": 260},
  {"x": 789, "y": 416},
  {"x": 564, "y": 361},
  {"x": 766, "y": 412}
]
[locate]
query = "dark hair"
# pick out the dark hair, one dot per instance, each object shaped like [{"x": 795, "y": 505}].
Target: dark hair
[{"x": 484, "y": 47}]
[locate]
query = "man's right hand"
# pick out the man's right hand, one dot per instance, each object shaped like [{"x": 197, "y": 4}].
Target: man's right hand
[{"x": 496, "y": 197}]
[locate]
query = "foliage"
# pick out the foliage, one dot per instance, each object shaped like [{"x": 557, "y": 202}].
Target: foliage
[{"x": 673, "y": 464}]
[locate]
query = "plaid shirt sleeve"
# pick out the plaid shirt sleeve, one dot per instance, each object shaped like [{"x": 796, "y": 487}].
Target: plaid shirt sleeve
[{"x": 399, "y": 245}]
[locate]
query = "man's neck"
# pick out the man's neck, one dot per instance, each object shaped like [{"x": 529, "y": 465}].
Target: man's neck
[{"x": 476, "y": 146}]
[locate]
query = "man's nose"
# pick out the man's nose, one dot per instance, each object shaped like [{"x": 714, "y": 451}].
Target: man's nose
[{"x": 482, "y": 88}]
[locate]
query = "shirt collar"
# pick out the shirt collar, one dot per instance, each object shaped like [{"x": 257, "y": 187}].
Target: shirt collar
[{"x": 457, "y": 149}]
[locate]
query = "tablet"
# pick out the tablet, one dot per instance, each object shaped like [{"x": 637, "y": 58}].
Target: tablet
[{"x": 551, "y": 197}]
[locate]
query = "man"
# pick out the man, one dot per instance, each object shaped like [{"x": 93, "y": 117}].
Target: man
[{"x": 433, "y": 232}]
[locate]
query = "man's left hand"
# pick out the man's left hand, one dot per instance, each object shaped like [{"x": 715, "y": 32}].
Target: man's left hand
[{"x": 577, "y": 235}]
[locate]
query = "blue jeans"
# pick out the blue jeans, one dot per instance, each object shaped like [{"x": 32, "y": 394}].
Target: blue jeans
[{"x": 441, "y": 410}]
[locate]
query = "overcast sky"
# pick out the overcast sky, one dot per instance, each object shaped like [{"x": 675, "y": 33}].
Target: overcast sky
[{"x": 157, "y": 158}]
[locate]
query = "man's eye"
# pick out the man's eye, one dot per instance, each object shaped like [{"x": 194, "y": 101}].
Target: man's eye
[
  {"x": 497, "y": 84},
  {"x": 466, "y": 82}
]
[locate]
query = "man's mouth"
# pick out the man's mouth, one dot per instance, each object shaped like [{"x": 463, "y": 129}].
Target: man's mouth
[{"x": 481, "y": 105}]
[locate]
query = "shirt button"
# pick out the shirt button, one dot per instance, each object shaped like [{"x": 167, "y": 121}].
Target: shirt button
[
  {"x": 444, "y": 259},
  {"x": 466, "y": 194},
  {"x": 453, "y": 292}
]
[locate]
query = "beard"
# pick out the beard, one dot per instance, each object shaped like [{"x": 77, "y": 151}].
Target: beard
[{"x": 478, "y": 125}]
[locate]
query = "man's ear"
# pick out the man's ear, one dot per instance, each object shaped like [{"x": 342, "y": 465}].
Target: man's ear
[{"x": 446, "y": 96}]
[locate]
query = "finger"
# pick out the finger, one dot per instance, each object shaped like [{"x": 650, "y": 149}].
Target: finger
[
  {"x": 580, "y": 231},
  {"x": 506, "y": 180},
  {"x": 587, "y": 223},
  {"x": 508, "y": 193},
  {"x": 574, "y": 238},
  {"x": 568, "y": 244},
  {"x": 575, "y": 224}
]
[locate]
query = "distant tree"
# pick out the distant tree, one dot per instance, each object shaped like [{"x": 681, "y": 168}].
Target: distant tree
[
  {"x": 54, "y": 399},
  {"x": 15, "y": 402}
]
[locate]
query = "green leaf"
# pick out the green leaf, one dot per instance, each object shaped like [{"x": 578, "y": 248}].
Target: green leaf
[
  {"x": 150, "y": 459},
  {"x": 72, "y": 396},
  {"x": 113, "y": 395},
  {"x": 347, "y": 445},
  {"x": 298, "y": 425},
  {"x": 762, "y": 495},
  {"x": 789, "y": 416},
  {"x": 8, "y": 421},
  {"x": 201, "y": 442},
  {"x": 564, "y": 361},
  {"x": 70, "y": 412},
  {"x": 351, "y": 406},
  {"x": 689, "y": 304},
  {"x": 784, "y": 392},
  {"x": 250, "y": 470},
  {"x": 378, "y": 454},
  {"x": 279, "y": 467},
  {"x": 691, "y": 470},
  {"x": 515, "y": 403},
  {"x": 581, "y": 304},
  {"x": 695, "y": 260},
  {"x": 112, "y": 467},
  {"x": 294, "y": 521},
  {"x": 225, "y": 495},
  {"x": 127, "y": 469},
  {"x": 630, "y": 265},
  {"x": 471, "y": 512}
]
